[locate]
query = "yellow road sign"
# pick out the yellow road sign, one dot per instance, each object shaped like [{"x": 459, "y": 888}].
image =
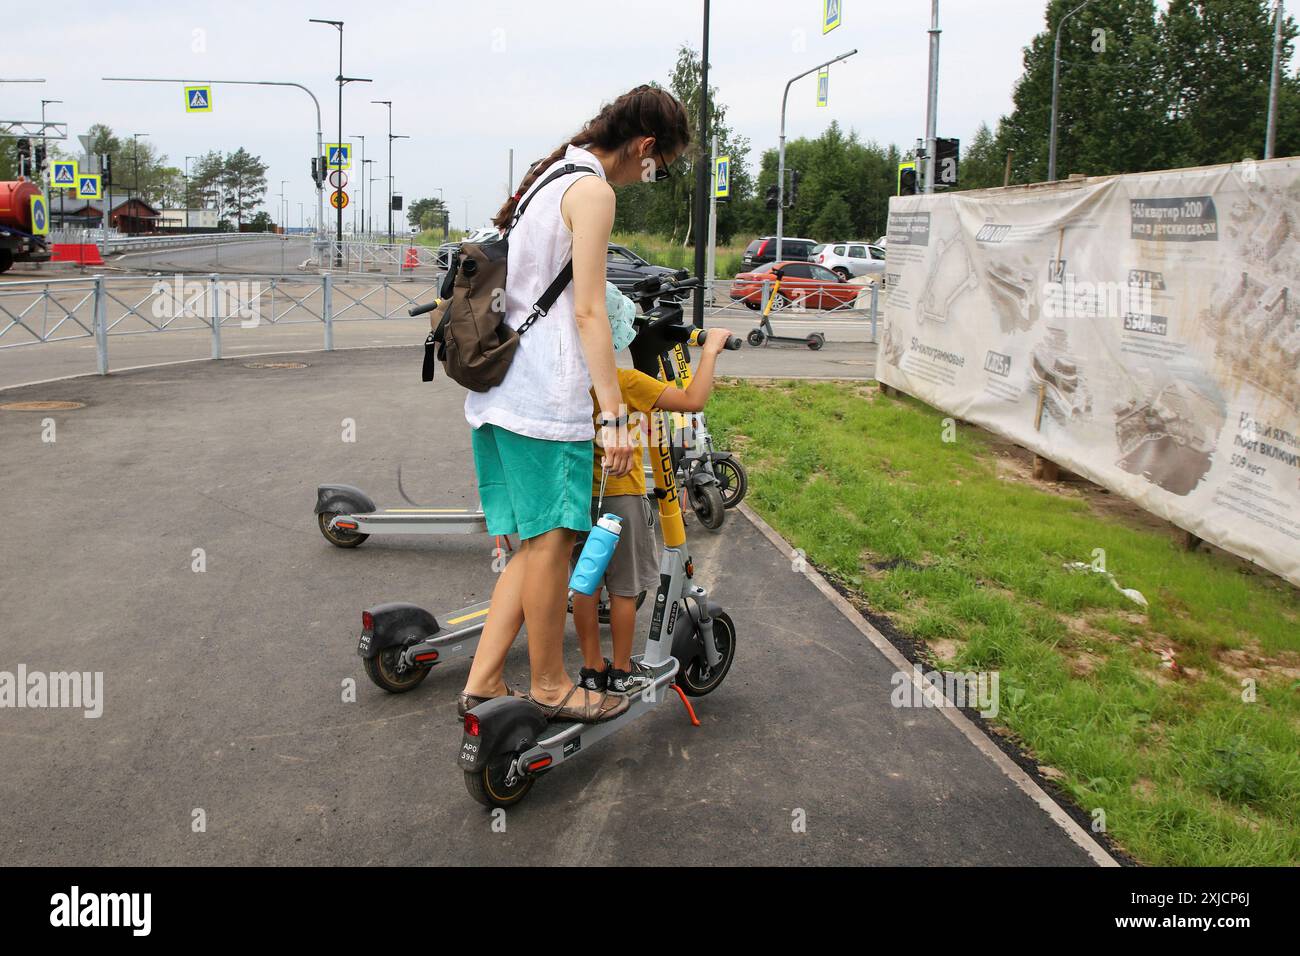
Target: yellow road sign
[
  {"x": 89, "y": 187},
  {"x": 40, "y": 221},
  {"x": 198, "y": 99},
  {"x": 339, "y": 199},
  {"x": 338, "y": 155}
]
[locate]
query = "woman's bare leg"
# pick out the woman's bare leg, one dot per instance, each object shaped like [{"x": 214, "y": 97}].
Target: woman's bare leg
[
  {"x": 505, "y": 617},
  {"x": 546, "y": 592}
]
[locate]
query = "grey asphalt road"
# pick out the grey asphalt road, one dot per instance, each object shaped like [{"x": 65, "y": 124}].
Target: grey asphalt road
[{"x": 225, "y": 690}]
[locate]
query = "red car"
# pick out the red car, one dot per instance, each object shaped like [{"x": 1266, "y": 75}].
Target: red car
[{"x": 816, "y": 287}]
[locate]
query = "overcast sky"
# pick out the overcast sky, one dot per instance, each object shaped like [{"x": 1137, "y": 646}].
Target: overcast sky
[{"x": 470, "y": 80}]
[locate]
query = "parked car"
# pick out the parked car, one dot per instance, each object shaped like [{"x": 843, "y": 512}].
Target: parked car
[
  {"x": 625, "y": 268},
  {"x": 813, "y": 285},
  {"x": 849, "y": 259},
  {"x": 763, "y": 250}
]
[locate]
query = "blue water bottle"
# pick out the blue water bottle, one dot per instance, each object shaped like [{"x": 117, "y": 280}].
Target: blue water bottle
[{"x": 601, "y": 542}]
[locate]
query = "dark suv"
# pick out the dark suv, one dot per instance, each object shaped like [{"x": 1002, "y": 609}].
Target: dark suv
[{"x": 762, "y": 251}]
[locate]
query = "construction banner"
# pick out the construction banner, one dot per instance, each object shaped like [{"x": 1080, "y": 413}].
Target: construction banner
[{"x": 1140, "y": 330}]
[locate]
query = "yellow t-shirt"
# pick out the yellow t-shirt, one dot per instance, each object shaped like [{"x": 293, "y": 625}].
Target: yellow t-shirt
[{"x": 640, "y": 392}]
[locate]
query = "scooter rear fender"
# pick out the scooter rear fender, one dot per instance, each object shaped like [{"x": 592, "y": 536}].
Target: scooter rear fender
[
  {"x": 343, "y": 499},
  {"x": 395, "y": 624},
  {"x": 506, "y": 725}
]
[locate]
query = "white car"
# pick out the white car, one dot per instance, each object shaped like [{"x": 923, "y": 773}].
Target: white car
[
  {"x": 849, "y": 259},
  {"x": 483, "y": 234}
]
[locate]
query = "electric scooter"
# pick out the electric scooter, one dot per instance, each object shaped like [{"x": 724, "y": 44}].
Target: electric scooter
[
  {"x": 401, "y": 642},
  {"x": 507, "y": 742},
  {"x": 764, "y": 334}
]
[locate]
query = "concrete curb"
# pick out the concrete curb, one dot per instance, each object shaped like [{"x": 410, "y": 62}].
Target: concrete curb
[{"x": 1015, "y": 774}]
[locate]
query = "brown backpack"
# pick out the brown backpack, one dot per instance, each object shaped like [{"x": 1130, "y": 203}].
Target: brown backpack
[{"x": 473, "y": 341}]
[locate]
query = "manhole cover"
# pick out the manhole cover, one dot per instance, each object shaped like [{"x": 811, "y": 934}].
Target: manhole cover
[
  {"x": 275, "y": 365},
  {"x": 41, "y": 406}
]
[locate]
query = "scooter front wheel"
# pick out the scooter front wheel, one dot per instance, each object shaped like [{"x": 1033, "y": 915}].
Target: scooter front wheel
[
  {"x": 755, "y": 337},
  {"x": 706, "y": 500},
  {"x": 732, "y": 479},
  {"x": 337, "y": 536},
  {"x": 488, "y": 786},
  {"x": 696, "y": 677},
  {"x": 382, "y": 669}
]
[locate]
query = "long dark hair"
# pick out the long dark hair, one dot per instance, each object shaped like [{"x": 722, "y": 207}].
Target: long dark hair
[{"x": 644, "y": 111}]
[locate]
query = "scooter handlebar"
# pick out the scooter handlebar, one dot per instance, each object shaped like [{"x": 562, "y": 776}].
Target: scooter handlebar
[{"x": 422, "y": 309}]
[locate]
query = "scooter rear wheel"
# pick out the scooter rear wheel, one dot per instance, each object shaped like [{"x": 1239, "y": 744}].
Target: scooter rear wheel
[
  {"x": 382, "y": 669},
  {"x": 696, "y": 678},
  {"x": 337, "y": 536},
  {"x": 815, "y": 341},
  {"x": 488, "y": 786}
]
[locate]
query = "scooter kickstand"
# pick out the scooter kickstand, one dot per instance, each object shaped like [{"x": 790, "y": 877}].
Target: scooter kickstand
[{"x": 690, "y": 711}]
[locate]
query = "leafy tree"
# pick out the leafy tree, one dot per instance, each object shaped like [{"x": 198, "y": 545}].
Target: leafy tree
[
  {"x": 428, "y": 214},
  {"x": 983, "y": 162},
  {"x": 261, "y": 222}
]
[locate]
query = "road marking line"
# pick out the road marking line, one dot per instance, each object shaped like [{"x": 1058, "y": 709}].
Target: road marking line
[{"x": 1013, "y": 771}]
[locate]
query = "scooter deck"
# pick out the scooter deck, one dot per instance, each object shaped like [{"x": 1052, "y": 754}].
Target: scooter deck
[
  {"x": 564, "y": 740},
  {"x": 418, "y": 521}
]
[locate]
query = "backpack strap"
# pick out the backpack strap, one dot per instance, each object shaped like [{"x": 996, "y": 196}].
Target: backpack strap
[{"x": 564, "y": 170}]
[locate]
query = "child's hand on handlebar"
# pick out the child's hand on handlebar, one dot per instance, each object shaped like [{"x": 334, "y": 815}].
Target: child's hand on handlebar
[{"x": 717, "y": 340}]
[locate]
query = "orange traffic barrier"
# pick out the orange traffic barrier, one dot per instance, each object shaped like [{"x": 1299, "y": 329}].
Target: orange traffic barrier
[
  {"x": 412, "y": 259},
  {"x": 83, "y": 253}
]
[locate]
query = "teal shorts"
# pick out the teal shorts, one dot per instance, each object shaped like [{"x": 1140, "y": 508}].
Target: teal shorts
[{"x": 529, "y": 486}]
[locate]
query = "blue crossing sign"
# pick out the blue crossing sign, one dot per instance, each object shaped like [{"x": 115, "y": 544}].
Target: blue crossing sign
[
  {"x": 832, "y": 14},
  {"x": 89, "y": 187},
  {"x": 338, "y": 155},
  {"x": 63, "y": 174},
  {"x": 823, "y": 87},
  {"x": 198, "y": 99},
  {"x": 722, "y": 178}
]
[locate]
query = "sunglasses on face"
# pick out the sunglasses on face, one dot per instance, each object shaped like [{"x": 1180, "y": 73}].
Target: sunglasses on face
[{"x": 662, "y": 171}]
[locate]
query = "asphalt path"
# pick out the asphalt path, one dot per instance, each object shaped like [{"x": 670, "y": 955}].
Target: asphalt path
[{"x": 226, "y": 694}]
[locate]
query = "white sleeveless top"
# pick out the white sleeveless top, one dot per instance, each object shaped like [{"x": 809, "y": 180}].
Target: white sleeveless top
[{"x": 546, "y": 390}]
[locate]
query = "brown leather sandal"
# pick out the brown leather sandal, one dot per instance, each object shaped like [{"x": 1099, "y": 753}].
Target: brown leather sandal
[
  {"x": 607, "y": 708},
  {"x": 467, "y": 702}
]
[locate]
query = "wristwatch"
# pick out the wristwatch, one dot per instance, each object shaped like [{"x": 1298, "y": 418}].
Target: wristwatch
[{"x": 605, "y": 422}]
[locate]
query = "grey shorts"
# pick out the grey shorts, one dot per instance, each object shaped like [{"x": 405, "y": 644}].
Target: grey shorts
[{"x": 634, "y": 566}]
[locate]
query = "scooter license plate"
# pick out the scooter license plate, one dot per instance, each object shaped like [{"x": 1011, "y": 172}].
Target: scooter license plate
[{"x": 363, "y": 645}]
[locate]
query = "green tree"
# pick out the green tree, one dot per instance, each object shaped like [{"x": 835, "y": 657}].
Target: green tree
[
  {"x": 261, "y": 222},
  {"x": 243, "y": 185},
  {"x": 983, "y": 162},
  {"x": 428, "y": 214}
]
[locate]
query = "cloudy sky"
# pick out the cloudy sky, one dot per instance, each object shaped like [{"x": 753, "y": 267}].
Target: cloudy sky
[{"x": 469, "y": 81}]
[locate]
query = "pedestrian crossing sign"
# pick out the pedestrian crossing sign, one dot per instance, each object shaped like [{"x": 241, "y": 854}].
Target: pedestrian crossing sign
[
  {"x": 722, "y": 178},
  {"x": 63, "y": 174},
  {"x": 832, "y": 14},
  {"x": 823, "y": 87},
  {"x": 338, "y": 155},
  {"x": 88, "y": 186},
  {"x": 198, "y": 99}
]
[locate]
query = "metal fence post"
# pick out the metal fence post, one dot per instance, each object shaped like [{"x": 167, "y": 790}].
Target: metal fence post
[
  {"x": 875, "y": 301},
  {"x": 215, "y": 313},
  {"x": 327, "y": 310},
  {"x": 100, "y": 325},
  {"x": 767, "y": 291}
]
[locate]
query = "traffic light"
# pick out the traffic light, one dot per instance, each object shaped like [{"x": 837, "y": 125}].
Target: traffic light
[
  {"x": 106, "y": 170},
  {"x": 907, "y": 178},
  {"x": 773, "y": 196},
  {"x": 24, "y": 147},
  {"x": 794, "y": 188},
  {"x": 315, "y": 171},
  {"x": 40, "y": 158},
  {"x": 945, "y": 162}
]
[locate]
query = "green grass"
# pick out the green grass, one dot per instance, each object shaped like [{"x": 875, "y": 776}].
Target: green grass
[
  {"x": 1186, "y": 772},
  {"x": 662, "y": 251}
]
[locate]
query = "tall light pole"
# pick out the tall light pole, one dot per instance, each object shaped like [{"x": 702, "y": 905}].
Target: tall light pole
[
  {"x": 45, "y": 187},
  {"x": 368, "y": 179},
  {"x": 362, "y": 177},
  {"x": 1056, "y": 85},
  {"x": 187, "y": 191},
  {"x": 780, "y": 156},
  {"x": 932, "y": 97},
  {"x": 1274, "y": 82},
  {"x": 342, "y": 81},
  {"x": 391, "y": 137},
  {"x": 282, "y": 213},
  {"x": 702, "y": 176}
]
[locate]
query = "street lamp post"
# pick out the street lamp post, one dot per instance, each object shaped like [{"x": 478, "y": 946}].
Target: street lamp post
[
  {"x": 1270, "y": 125},
  {"x": 780, "y": 160},
  {"x": 368, "y": 179},
  {"x": 1056, "y": 83},
  {"x": 135, "y": 161},
  {"x": 391, "y": 137},
  {"x": 342, "y": 81},
  {"x": 45, "y": 188},
  {"x": 363, "y": 185},
  {"x": 187, "y": 191}
]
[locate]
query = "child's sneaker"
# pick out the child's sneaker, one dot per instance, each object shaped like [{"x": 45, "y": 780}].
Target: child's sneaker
[
  {"x": 629, "y": 682},
  {"x": 591, "y": 679}
]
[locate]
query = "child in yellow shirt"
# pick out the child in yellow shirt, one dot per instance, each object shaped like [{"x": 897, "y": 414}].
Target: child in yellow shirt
[{"x": 634, "y": 567}]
